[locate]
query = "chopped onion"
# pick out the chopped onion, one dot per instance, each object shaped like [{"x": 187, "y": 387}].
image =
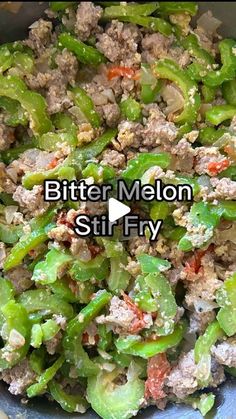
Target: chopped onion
[
  {"x": 208, "y": 22},
  {"x": 147, "y": 76},
  {"x": 204, "y": 181},
  {"x": 222, "y": 141},
  {"x": 76, "y": 112},
  {"x": 109, "y": 94},
  {"x": 203, "y": 372},
  {"x": 133, "y": 371},
  {"x": 10, "y": 211},
  {"x": 173, "y": 97}
]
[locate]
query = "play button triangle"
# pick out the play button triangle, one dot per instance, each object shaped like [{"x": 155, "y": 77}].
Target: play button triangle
[{"x": 116, "y": 209}]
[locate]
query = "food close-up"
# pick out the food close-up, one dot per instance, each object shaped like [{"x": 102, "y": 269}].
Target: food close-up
[{"x": 113, "y": 325}]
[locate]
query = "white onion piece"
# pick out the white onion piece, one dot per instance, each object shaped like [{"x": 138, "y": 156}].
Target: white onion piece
[
  {"x": 147, "y": 76},
  {"x": 10, "y": 211},
  {"x": 222, "y": 141},
  {"x": 173, "y": 97},
  {"x": 204, "y": 181},
  {"x": 208, "y": 22},
  {"x": 108, "y": 93},
  {"x": 203, "y": 372},
  {"x": 76, "y": 112}
]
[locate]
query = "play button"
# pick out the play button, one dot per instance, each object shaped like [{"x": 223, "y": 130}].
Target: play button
[{"x": 117, "y": 209}]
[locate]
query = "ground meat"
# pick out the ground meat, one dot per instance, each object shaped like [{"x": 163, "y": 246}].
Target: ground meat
[
  {"x": 119, "y": 43},
  {"x": 206, "y": 283},
  {"x": 156, "y": 46},
  {"x": 139, "y": 245},
  {"x": 133, "y": 267},
  {"x": 113, "y": 158},
  {"x": 61, "y": 233},
  {"x": 31, "y": 201},
  {"x": 225, "y": 352},
  {"x": 40, "y": 35},
  {"x": 119, "y": 314},
  {"x": 85, "y": 134},
  {"x": 157, "y": 129},
  {"x": 38, "y": 81},
  {"x": 7, "y": 137},
  {"x": 80, "y": 248},
  {"x": 129, "y": 135},
  {"x": 200, "y": 320},
  {"x": 182, "y": 378},
  {"x": 20, "y": 278},
  {"x": 87, "y": 18},
  {"x": 31, "y": 160},
  {"x": 225, "y": 188},
  {"x": 53, "y": 344},
  {"x": 205, "y": 156},
  {"x": 56, "y": 97},
  {"x": 111, "y": 113},
  {"x": 68, "y": 65},
  {"x": 19, "y": 377},
  {"x": 183, "y": 156},
  {"x": 122, "y": 316}
]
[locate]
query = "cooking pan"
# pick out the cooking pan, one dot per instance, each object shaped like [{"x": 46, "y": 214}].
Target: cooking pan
[{"x": 14, "y": 26}]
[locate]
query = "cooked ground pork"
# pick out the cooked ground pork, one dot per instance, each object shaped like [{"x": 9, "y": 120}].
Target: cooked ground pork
[
  {"x": 20, "y": 278},
  {"x": 205, "y": 156},
  {"x": 40, "y": 35},
  {"x": 31, "y": 201},
  {"x": 206, "y": 283},
  {"x": 7, "y": 137},
  {"x": 182, "y": 378},
  {"x": 19, "y": 377},
  {"x": 53, "y": 344},
  {"x": 119, "y": 43},
  {"x": 87, "y": 17},
  {"x": 157, "y": 129},
  {"x": 156, "y": 46},
  {"x": 113, "y": 158},
  {"x": 225, "y": 353}
]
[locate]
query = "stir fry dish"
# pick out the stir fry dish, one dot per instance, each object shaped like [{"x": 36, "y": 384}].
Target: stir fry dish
[{"x": 101, "y": 92}]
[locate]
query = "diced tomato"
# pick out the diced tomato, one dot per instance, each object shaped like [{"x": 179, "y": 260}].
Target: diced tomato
[
  {"x": 193, "y": 264},
  {"x": 53, "y": 164},
  {"x": 157, "y": 370},
  {"x": 216, "y": 167},
  {"x": 120, "y": 71},
  {"x": 138, "y": 323}
]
